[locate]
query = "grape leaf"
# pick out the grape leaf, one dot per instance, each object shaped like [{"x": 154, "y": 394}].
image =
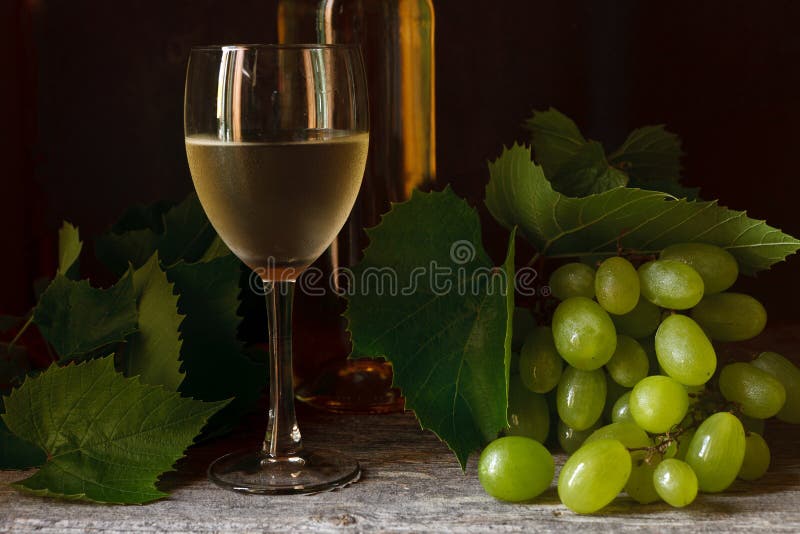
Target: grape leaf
[
  {"x": 215, "y": 365},
  {"x": 187, "y": 232},
  {"x": 176, "y": 232},
  {"x": 153, "y": 352},
  {"x": 649, "y": 154},
  {"x": 69, "y": 249},
  {"x": 78, "y": 319},
  {"x": 424, "y": 298},
  {"x": 107, "y": 437},
  {"x": 588, "y": 172},
  {"x": 555, "y": 137},
  {"x": 518, "y": 194},
  {"x": 217, "y": 249},
  {"x": 16, "y": 453}
]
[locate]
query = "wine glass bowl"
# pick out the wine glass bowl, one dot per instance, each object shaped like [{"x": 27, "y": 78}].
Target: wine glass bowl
[{"x": 276, "y": 139}]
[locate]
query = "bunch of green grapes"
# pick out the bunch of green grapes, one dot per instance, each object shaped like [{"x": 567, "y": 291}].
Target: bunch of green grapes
[{"x": 624, "y": 373}]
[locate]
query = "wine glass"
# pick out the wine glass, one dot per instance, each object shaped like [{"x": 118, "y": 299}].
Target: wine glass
[{"x": 276, "y": 138}]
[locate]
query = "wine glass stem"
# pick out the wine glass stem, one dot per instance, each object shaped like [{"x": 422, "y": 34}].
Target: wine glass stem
[{"x": 283, "y": 435}]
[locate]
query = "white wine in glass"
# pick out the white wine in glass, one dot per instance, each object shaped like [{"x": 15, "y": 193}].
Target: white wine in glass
[{"x": 277, "y": 139}]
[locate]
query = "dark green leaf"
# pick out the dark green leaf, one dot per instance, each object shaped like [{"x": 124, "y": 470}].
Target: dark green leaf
[
  {"x": 587, "y": 172},
  {"x": 77, "y": 318},
  {"x": 119, "y": 251},
  {"x": 107, "y": 437},
  {"x": 647, "y": 221},
  {"x": 181, "y": 233},
  {"x": 555, "y": 137},
  {"x": 213, "y": 358},
  {"x": 17, "y": 453},
  {"x": 650, "y": 154},
  {"x": 445, "y": 330},
  {"x": 69, "y": 250},
  {"x": 153, "y": 352}
]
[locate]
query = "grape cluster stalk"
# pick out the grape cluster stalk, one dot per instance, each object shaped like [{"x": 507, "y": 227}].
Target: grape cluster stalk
[{"x": 627, "y": 374}]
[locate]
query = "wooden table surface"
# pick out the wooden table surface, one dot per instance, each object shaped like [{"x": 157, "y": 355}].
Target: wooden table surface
[{"x": 412, "y": 483}]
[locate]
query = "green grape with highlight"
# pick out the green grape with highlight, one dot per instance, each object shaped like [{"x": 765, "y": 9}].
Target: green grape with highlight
[
  {"x": 583, "y": 333},
  {"x": 515, "y": 469},
  {"x": 758, "y": 393},
  {"x": 593, "y": 476},
  {"x": 539, "y": 363},
  {"x": 641, "y": 321},
  {"x": 572, "y": 280},
  {"x": 613, "y": 392},
  {"x": 658, "y": 403},
  {"x": 670, "y": 284},
  {"x": 716, "y": 266},
  {"x": 528, "y": 413},
  {"x": 684, "y": 351},
  {"x": 628, "y": 434},
  {"x": 580, "y": 397},
  {"x": 716, "y": 452},
  {"x": 616, "y": 285},
  {"x": 730, "y": 316},
  {"x": 675, "y": 482},
  {"x": 629, "y": 363},
  {"x": 621, "y": 412},
  {"x": 756, "y": 458},
  {"x": 789, "y": 375}
]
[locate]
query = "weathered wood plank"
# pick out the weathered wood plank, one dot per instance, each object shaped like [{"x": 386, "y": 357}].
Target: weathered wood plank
[{"x": 412, "y": 483}]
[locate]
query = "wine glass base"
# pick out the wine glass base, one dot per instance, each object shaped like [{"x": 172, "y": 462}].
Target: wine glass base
[
  {"x": 311, "y": 472},
  {"x": 354, "y": 386}
]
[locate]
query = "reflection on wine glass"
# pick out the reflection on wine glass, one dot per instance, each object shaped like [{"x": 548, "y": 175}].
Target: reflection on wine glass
[{"x": 277, "y": 138}]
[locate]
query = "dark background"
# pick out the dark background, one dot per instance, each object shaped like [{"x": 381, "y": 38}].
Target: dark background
[{"x": 92, "y": 103}]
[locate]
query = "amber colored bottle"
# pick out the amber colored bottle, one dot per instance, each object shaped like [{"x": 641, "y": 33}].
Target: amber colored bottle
[{"x": 397, "y": 40}]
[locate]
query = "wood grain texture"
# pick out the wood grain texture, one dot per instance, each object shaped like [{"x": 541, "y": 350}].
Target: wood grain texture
[{"x": 412, "y": 483}]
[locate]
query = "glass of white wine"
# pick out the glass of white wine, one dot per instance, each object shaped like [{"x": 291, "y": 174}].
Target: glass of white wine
[{"x": 276, "y": 138}]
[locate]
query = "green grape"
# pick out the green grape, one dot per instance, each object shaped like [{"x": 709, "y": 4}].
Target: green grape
[
  {"x": 751, "y": 424},
  {"x": 528, "y": 414},
  {"x": 571, "y": 439},
  {"x": 640, "y": 483},
  {"x": 613, "y": 392},
  {"x": 593, "y": 476},
  {"x": 640, "y": 322},
  {"x": 756, "y": 457},
  {"x": 583, "y": 333},
  {"x": 716, "y": 452},
  {"x": 616, "y": 285},
  {"x": 759, "y": 394},
  {"x": 675, "y": 482},
  {"x": 522, "y": 324},
  {"x": 684, "y": 351},
  {"x": 730, "y": 316},
  {"x": 683, "y": 443},
  {"x": 658, "y": 403},
  {"x": 789, "y": 375},
  {"x": 716, "y": 266},
  {"x": 670, "y": 284},
  {"x": 539, "y": 363},
  {"x": 580, "y": 397},
  {"x": 628, "y": 434},
  {"x": 629, "y": 363},
  {"x": 572, "y": 280},
  {"x": 515, "y": 469},
  {"x": 621, "y": 412}
]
